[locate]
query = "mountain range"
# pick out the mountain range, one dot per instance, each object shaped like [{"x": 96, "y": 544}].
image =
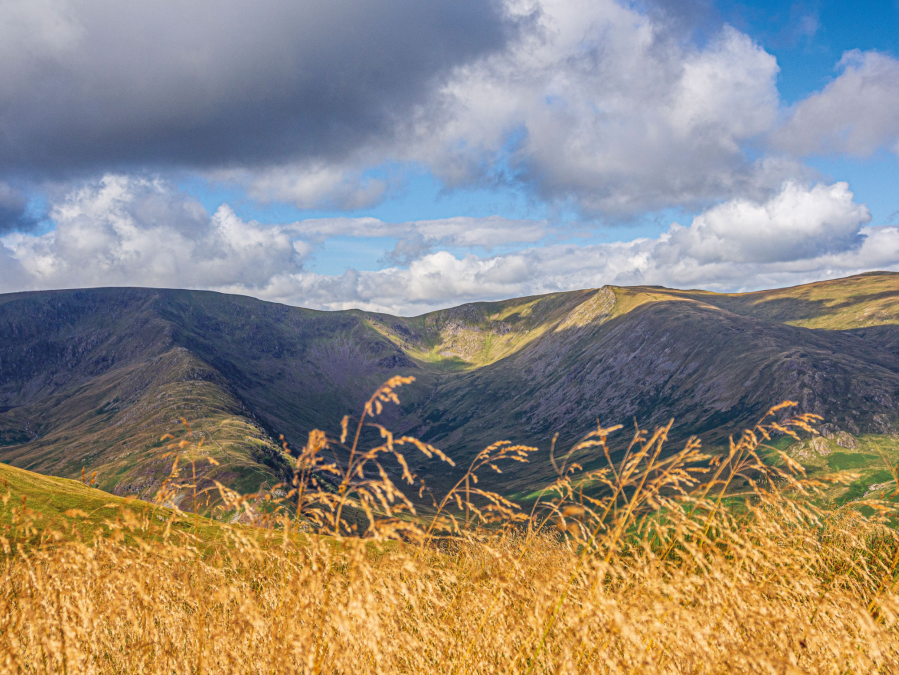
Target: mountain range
[{"x": 92, "y": 379}]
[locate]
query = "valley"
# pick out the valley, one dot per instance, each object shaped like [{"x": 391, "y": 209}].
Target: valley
[{"x": 92, "y": 379}]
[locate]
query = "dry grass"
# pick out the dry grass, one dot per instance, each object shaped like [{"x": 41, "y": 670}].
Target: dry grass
[{"x": 649, "y": 564}]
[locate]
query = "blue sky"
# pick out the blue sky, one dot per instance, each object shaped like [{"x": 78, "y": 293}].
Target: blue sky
[
  {"x": 808, "y": 38},
  {"x": 404, "y": 156}
]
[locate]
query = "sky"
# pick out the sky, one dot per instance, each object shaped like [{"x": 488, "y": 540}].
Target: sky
[{"x": 404, "y": 155}]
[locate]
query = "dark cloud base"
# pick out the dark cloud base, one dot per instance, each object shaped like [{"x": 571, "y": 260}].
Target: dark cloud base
[{"x": 205, "y": 84}]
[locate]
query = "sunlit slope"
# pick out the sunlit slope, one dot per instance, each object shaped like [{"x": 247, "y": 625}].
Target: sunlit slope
[
  {"x": 860, "y": 301},
  {"x": 480, "y": 333},
  {"x": 36, "y": 509},
  {"x": 52, "y": 496}
]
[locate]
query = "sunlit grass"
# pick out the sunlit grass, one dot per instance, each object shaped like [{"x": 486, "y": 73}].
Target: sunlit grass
[{"x": 646, "y": 564}]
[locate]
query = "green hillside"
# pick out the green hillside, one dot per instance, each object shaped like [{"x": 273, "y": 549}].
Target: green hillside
[
  {"x": 39, "y": 511},
  {"x": 52, "y": 497},
  {"x": 36, "y": 508},
  {"x": 93, "y": 379},
  {"x": 656, "y": 356}
]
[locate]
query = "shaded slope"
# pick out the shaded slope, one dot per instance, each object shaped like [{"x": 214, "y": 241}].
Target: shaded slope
[
  {"x": 713, "y": 371},
  {"x": 93, "y": 379}
]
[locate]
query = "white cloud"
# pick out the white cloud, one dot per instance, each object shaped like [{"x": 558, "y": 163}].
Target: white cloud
[
  {"x": 598, "y": 103},
  {"x": 309, "y": 186},
  {"x": 485, "y": 232},
  {"x": 855, "y": 114},
  {"x": 130, "y": 231},
  {"x": 796, "y": 224},
  {"x": 125, "y": 231},
  {"x": 424, "y": 236},
  {"x": 802, "y": 233},
  {"x": 416, "y": 238},
  {"x": 458, "y": 231},
  {"x": 592, "y": 101}
]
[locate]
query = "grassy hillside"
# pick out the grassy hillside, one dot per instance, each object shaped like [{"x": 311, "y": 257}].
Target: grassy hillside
[
  {"x": 480, "y": 333},
  {"x": 51, "y": 497},
  {"x": 646, "y": 555},
  {"x": 711, "y": 361},
  {"x": 841, "y": 304},
  {"x": 711, "y": 371},
  {"x": 38, "y": 510}
]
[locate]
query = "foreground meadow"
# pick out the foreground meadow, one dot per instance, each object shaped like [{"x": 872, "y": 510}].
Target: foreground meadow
[{"x": 652, "y": 562}]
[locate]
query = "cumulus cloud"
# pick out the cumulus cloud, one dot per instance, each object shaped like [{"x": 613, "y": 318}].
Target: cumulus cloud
[
  {"x": 612, "y": 107},
  {"x": 609, "y": 108},
  {"x": 823, "y": 229},
  {"x": 416, "y": 238},
  {"x": 309, "y": 184},
  {"x": 796, "y": 224},
  {"x": 855, "y": 114},
  {"x": 592, "y": 101},
  {"x": 599, "y": 103},
  {"x": 424, "y": 236},
  {"x": 137, "y": 231},
  {"x": 125, "y": 231},
  {"x": 595, "y": 101}
]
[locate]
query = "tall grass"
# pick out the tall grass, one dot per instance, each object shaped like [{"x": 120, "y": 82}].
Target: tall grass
[{"x": 659, "y": 560}]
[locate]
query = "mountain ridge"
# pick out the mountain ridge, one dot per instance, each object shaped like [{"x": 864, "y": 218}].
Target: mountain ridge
[{"x": 93, "y": 377}]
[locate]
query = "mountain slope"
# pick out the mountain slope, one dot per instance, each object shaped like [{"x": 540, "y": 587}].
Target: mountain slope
[
  {"x": 713, "y": 371},
  {"x": 93, "y": 378}
]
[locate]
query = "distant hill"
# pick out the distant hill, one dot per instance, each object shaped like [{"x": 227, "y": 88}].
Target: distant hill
[{"x": 93, "y": 378}]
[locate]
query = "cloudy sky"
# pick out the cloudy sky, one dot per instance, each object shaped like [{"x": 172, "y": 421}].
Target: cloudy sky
[{"x": 405, "y": 155}]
